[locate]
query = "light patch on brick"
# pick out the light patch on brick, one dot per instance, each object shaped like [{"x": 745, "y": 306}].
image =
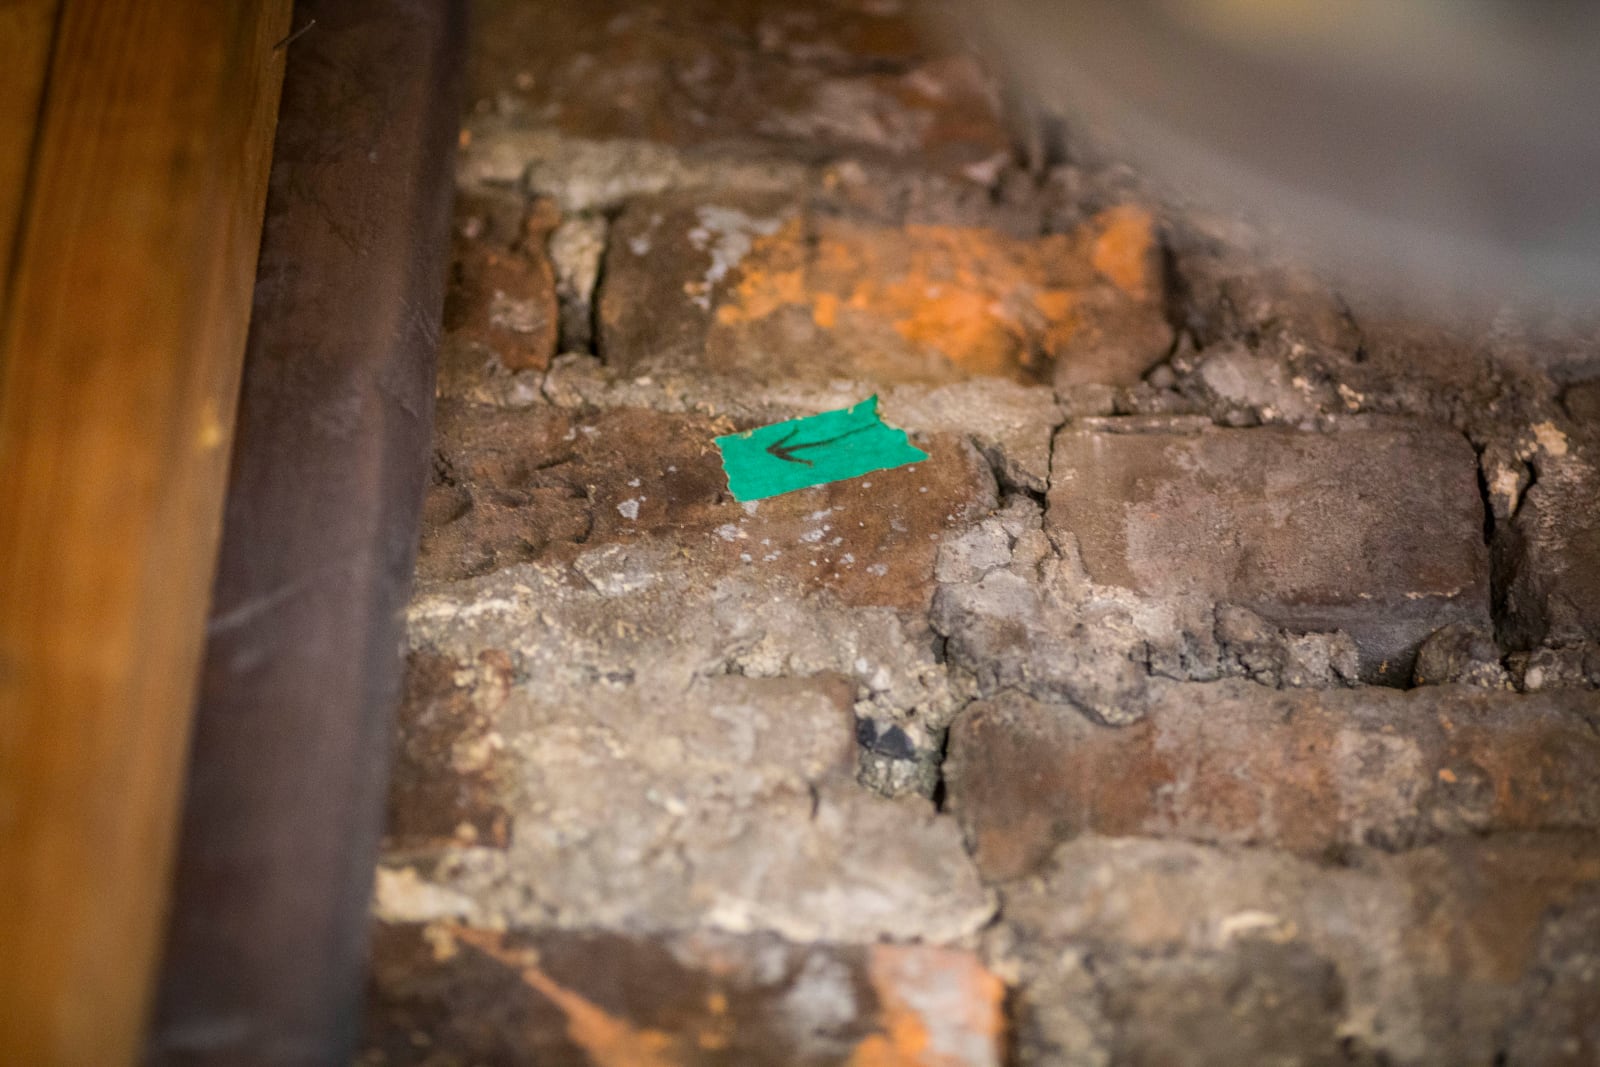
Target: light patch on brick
[
  {"x": 940, "y": 1008},
  {"x": 608, "y": 1040},
  {"x": 1123, "y": 249},
  {"x": 1550, "y": 440},
  {"x": 726, "y": 233}
]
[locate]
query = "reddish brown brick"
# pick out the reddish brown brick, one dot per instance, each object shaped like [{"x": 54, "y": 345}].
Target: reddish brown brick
[
  {"x": 814, "y": 79},
  {"x": 1144, "y": 951},
  {"x": 448, "y": 767},
  {"x": 447, "y": 994},
  {"x": 1376, "y": 530},
  {"x": 547, "y": 484},
  {"x": 1310, "y": 772},
  {"x": 751, "y": 285},
  {"x": 500, "y": 307}
]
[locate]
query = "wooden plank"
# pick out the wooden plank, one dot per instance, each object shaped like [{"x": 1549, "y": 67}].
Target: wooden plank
[
  {"x": 27, "y": 28},
  {"x": 268, "y": 938},
  {"x": 119, "y": 361}
]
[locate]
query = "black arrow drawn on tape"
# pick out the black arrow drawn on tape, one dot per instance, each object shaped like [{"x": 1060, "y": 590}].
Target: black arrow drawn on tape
[{"x": 782, "y": 449}]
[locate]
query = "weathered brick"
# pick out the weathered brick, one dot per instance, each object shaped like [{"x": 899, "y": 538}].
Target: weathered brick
[
  {"x": 544, "y": 484},
  {"x": 885, "y": 194},
  {"x": 744, "y": 284},
  {"x": 1566, "y": 667},
  {"x": 1313, "y": 772},
  {"x": 1234, "y": 287},
  {"x": 1187, "y": 954},
  {"x": 500, "y": 305},
  {"x": 623, "y": 826},
  {"x": 816, "y": 80},
  {"x": 1001, "y": 607},
  {"x": 1283, "y": 1004},
  {"x": 683, "y": 746},
  {"x": 449, "y": 762},
  {"x": 1375, "y": 530},
  {"x": 451, "y": 994},
  {"x": 1010, "y": 424},
  {"x": 1558, "y": 1021},
  {"x": 671, "y": 260}
]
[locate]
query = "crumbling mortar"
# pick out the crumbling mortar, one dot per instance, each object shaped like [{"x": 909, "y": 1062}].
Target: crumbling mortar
[
  {"x": 593, "y": 347},
  {"x": 869, "y": 775},
  {"x": 1271, "y": 656},
  {"x": 1358, "y": 354}
]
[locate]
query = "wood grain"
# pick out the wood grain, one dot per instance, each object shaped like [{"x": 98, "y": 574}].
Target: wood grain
[
  {"x": 120, "y": 346},
  {"x": 27, "y": 29}
]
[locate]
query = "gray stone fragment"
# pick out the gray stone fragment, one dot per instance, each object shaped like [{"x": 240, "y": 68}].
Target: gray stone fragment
[
  {"x": 1250, "y": 646},
  {"x": 1020, "y": 611},
  {"x": 1320, "y": 660},
  {"x": 1231, "y": 377},
  {"x": 1461, "y": 655},
  {"x": 1565, "y": 667},
  {"x": 1010, "y": 633}
]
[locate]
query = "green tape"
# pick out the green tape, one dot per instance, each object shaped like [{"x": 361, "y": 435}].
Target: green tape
[{"x": 815, "y": 450}]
